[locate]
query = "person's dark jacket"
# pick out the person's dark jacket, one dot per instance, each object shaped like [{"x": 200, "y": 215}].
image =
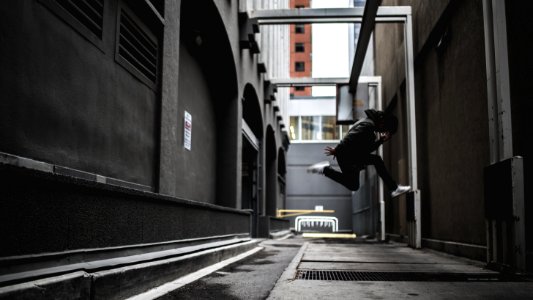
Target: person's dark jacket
[{"x": 360, "y": 140}]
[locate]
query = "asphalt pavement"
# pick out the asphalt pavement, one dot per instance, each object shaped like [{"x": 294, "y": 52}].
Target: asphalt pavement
[{"x": 251, "y": 278}]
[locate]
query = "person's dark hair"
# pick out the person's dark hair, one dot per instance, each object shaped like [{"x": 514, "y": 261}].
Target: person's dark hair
[
  {"x": 385, "y": 121},
  {"x": 391, "y": 123}
]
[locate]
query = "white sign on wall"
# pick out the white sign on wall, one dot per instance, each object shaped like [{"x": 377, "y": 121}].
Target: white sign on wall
[{"x": 187, "y": 131}]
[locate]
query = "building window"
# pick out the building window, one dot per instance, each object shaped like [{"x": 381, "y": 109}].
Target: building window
[
  {"x": 294, "y": 128},
  {"x": 315, "y": 128},
  {"x": 299, "y": 47},
  {"x": 299, "y": 6},
  {"x": 311, "y": 128},
  {"x": 299, "y": 88},
  {"x": 299, "y": 66},
  {"x": 299, "y": 28},
  {"x": 330, "y": 131}
]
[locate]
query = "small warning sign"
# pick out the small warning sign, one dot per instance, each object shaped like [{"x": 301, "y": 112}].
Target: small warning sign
[{"x": 187, "y": 134}]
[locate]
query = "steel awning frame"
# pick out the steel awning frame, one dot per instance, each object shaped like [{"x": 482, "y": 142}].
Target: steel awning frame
[
  {"x": 385, "y": 14},
  {"x": 369, "y": 16},
  {"x": 313, "y": 81},
  {"x": 307, "y": 81}
]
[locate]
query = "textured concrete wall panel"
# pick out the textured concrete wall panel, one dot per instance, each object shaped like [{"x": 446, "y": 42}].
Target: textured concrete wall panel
[
  {"x": 452, "y": 124},
  {"x": 197, "y": 180},
  {"x": 66, "y": 101},
  {"x": 59, "y": 213}
]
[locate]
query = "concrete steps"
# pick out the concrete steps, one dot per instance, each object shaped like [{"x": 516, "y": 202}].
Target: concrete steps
[{"x": 119, "y": 277}]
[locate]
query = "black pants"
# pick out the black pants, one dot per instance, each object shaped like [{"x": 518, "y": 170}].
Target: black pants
[{"x": 349, "y": 175}]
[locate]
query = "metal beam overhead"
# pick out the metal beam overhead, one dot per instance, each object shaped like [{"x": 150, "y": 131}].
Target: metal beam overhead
[
  {"x": 310, "y": 81},
  {"x": 385, "y": 14},
  {"x": 367, "y": 27},
  {"x": 375, "y": 13},
  {"x": 307, "y": 81}
]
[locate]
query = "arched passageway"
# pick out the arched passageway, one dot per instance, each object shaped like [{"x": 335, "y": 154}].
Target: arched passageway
[
  {"x": 282, "y": 170},
  {"x": 252, "y": 132},
  {"x": 208, "y": 92}
]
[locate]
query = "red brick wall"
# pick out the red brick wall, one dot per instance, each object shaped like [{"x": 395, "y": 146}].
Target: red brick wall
[{"x": 305, "y": 57}]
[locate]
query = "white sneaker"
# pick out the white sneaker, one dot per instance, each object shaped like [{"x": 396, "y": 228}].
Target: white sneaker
[
  {"x": 318, "y": 167},
  {"x": 401, "y": 189}
]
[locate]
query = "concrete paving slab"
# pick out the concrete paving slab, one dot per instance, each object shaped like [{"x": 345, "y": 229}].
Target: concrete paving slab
[
  {"x": 388, "y": 258},
  {"x": 314, "y": 289},
  {"x": 397, "y": 267},
  {"x": 373, "y": 253},
  {"x": 255, "y": 277},
  {"x": 375, "y": 258}
]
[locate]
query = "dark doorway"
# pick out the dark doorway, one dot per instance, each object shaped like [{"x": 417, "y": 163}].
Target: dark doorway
[
  {"x": 249, "y": 181},
  {"x": 271, "y": 173},
  {"x": 252, "y": 133}
]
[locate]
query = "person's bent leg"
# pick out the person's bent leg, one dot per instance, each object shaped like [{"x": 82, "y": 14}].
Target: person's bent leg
[
  {"x": 349, "y": 177},
  {"x": 378, "y": 163}
]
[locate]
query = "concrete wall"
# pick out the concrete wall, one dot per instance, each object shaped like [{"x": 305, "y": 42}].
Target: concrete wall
[
  {"x": 305, "y": 191},
  {"x": 42, "y": 213},
  {"x": 92, "y": 159},
  {"x": 201, "y": 160},
  {"x": 274, "y": 47},
  {"x": 56, "y": 110},
  {"x": 452, "y": 122},
  {"x": 69, "y": 103}
]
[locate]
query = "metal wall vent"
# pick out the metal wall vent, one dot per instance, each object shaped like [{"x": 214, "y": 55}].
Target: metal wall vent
[
  {"x": 159, "y": 5},
  {"x": 90, "y": 13},
  {"x": 395, "y": 276},
  {"x": 137, "y": 47}
]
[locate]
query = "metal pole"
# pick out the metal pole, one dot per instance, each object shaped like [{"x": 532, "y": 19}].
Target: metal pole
[
  {"x": 367, "y": 27},
  {"x": 503, "y": 89},
  {"x": 416, "y": 241},
  {"x": 493, "y": 117},
  {"x": 381, "y": 191},
  {"x": 491, "y": 85}
]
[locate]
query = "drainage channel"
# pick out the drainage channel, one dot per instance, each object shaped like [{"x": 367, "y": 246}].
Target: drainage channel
[{"x": 339, "y": 275}]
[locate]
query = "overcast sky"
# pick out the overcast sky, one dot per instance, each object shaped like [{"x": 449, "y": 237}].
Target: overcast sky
[{"x": 330, "y": 48}]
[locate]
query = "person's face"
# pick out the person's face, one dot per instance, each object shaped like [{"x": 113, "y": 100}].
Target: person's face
[{"x": 380, "y": 127}]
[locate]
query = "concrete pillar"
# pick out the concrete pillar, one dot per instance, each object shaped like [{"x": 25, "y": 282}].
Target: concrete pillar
[
  {"x": 498, "y": 87},
  {"x": 169, "y": 100},
  {"x": 503, "y": 233},
  {"x": 229, "y": 158}
]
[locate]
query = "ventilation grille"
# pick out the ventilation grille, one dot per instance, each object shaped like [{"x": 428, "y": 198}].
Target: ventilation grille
[
  {"x": 396, "y": 276},
  {"x": 90, "y": 13},
  {"x": 159, "y": 5},
  {"x": 137, "y": 48}
]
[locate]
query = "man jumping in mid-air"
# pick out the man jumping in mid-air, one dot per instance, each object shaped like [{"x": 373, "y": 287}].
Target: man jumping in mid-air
[{"x": 354, "y": 152}]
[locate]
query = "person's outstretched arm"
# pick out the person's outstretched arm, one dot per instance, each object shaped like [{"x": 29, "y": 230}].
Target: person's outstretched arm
[
  {"x": 383, "y": 137},
  {"x": 330, "y": 151}
]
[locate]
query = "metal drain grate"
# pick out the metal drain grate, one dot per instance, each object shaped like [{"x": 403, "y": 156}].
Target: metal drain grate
[{"x": 395, "y": 276}]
